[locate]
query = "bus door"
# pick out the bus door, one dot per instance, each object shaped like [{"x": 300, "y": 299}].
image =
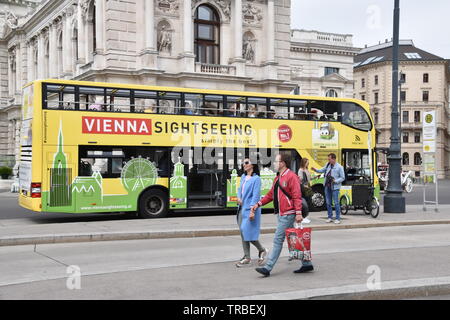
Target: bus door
[{"x": 205, "y": 178}]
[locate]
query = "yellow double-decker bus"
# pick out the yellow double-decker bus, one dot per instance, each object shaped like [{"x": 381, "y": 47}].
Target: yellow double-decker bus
[{"x": 98, "y": 147}]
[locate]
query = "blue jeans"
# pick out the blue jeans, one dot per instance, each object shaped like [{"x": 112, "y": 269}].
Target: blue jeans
[
  {"x": 333, "y": 195},
  {"x": 284, "y": 222}
]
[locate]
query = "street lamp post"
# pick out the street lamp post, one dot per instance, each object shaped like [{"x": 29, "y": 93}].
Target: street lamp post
[{"x": 394, "y": 202}]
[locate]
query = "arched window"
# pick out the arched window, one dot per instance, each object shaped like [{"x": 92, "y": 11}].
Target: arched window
[
  {"x": 417, "y": 159},
  {"x": 331, "y": 93},
  {"x": 207, "y": 35},
  {"x": 91, "y": 26},
  {"x": 405, "y": 160}
]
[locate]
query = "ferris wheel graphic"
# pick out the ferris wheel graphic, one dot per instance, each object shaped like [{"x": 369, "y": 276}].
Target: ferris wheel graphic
[{"x": 138, "y": 173}]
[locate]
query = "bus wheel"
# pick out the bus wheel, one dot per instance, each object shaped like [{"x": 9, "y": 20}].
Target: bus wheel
[
  {"x": 153, "y": 204},
  {"x": 318, "y": 199}
]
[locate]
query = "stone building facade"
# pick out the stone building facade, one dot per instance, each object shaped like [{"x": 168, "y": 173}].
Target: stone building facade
[
  {"x": 244, "y": 45},
  {"x": 322, "y": 63},
  {"x": 424, "y": 87}
]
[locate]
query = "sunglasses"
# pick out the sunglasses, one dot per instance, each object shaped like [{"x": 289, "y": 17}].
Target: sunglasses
[{"x": 246, "y": 162}]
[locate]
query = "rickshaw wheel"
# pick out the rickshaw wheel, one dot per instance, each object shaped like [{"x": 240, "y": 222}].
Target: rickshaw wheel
[
  {"x": 368, "y": 207},
  {"x": 375, "y": 208},
  {"x": 372, "y": 208},
  {"x": 344, "y": 205}
]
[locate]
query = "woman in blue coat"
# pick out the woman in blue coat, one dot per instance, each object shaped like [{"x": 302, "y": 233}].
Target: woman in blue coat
[{"x": 249, "y": 193}]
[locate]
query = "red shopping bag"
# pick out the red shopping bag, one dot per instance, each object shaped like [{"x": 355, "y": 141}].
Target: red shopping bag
[{"x": 299, "y": 243}]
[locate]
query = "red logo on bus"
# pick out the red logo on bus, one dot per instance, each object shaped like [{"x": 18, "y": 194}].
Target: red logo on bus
[
  {"x": 103, "y": 125},
  {"x": 284, "y": 133}
]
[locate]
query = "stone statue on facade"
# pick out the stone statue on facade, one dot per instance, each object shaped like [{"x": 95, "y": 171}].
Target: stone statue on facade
[
  {"x": 248, "y": 49},
  {"x": 164, "y": 40}
]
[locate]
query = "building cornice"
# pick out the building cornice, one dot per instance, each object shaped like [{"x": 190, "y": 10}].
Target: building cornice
[
  {"x": 403, "y": 62},
  {"x": 348, "y": 51}
]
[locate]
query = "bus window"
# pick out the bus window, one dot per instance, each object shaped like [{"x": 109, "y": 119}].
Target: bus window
[
  {"x": 323, "y": 110},
  {"x": 168, "y": 102},
  {"x": 192, "y": 103},
  {"x": 257, "y": 107},
  {"x": 298, "y": 110},
  {"x": 213, "y": 105},
  {"x": 145, "y": 105},
  {"x": 92, "y": 99},
  {"x": 117, "y": 100},
  {"x": 355, "y": 116},
  {"x": 235, "y": 106},
  {"x": 145, "y": 101},
  {"x": 278, "y": 109},
  {"x": 59, "y": 97}
]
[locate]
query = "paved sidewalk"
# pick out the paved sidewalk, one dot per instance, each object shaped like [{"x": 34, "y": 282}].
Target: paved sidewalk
[{"x": 15, "y": 232}]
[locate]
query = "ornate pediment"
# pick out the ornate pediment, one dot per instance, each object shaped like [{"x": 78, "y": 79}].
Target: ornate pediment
[
  {"x": 252, "y": 14},
  {"x": 334, "y": 77}
]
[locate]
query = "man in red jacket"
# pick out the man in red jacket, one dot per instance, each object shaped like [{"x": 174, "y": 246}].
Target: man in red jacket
[{"x": 287, "y": 200}]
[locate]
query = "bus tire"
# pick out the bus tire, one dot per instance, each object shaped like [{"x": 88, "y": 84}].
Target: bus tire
[
  {"x": 153, "y": 203},
  {"x": 318, "y": 202}
]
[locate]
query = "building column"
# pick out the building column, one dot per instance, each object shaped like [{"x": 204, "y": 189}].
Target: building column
[
  {"x": 188, "y": 35},
  {"x": 81, "y": 36},
  {"x": 269, "y": 65},
  {"x": 100, "y": 26},
  {"x": 149, "y": 53},
  {"x": 11, "y": 73},
  {"x": 271, "y": 31},
  {"x": 238, "y": 61},
  {"x": 30, "y": 75},
  {"x": 18, "y": 79},
  {"x": 41, "y": 57},
  {"x": 149, "y": 25},
  {"x": 67, "y": 57},
  {"x": 53, "y": 52}
]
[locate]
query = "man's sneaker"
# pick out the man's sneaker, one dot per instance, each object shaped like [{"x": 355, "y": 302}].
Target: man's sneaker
[
  {"x": 263, "y": 271},
  {"x": 262, "y": 256},
  {"x": 304, "y": 269},
  {"x": 306, "y": 220},
  {"x": 337, "y": 222},
  {"x": 329, "y": 220},
  {"x": 244, "y": 262}
]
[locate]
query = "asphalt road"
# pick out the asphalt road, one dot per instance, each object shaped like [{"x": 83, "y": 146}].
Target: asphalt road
[
  {"x": 9, "y": 209},
  {"x": 203, "y": 268}
]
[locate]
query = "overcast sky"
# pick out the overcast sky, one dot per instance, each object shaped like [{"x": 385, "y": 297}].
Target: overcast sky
[{"x": 426, "y": 22}]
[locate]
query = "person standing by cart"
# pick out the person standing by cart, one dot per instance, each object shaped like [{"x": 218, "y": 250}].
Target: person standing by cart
[{"x": 334, "y": 176}]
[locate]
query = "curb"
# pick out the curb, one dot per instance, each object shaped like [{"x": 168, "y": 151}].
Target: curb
[
  {"x": 143, "y": 235},
  {"x": 397, "y": 289}
]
